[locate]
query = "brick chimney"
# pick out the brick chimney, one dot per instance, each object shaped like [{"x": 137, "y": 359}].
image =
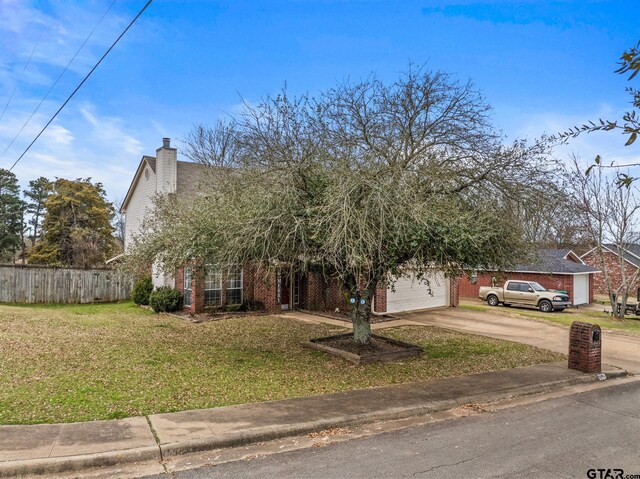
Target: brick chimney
[{"x": 166, "y": 167}]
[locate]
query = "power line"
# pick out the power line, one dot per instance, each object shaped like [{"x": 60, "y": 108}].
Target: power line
[
  {"x": 20, "y": 77},
  {"x": 81, "y": 83},
  {"x": 57, "y": 80}
]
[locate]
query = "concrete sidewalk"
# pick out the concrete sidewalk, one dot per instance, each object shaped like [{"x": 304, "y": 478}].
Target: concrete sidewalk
[{"x": 56, "y": 448}]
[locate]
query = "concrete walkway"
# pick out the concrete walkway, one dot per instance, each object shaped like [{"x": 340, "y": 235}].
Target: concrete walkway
[
  {"x": 55, "y": 448},
  {"x": 617, "y": 349}
]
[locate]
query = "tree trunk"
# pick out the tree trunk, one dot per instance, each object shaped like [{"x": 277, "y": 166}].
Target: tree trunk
[
  {"x": 361, "y": 316},
  {"x": 623, "y": 303}
]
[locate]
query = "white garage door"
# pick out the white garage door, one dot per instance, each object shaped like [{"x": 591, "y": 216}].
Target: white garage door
[
  {"x": 411, "y": 294},
  {"x": 580, "y": 289}
]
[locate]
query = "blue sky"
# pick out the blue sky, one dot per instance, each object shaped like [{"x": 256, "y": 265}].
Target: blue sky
[{"x": 542, "y": 65}]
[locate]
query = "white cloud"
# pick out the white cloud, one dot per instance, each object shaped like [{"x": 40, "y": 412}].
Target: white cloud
[
  {"x": 81, "y": 143},
  {"x": 59, "y": 135}
]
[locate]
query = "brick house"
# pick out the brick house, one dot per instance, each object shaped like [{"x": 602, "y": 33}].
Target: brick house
[
  {"x": 559, "y": 269},
  {"x": 612, "y": 256},
  {"x": 205, "y": 285}
]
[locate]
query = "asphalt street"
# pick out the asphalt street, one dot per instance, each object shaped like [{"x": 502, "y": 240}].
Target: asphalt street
[{"x": 558, "y": 438}]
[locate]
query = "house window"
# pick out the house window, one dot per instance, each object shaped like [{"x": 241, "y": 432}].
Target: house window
[
  {"x": 296, "y": 289},
  {"x": 187, "y": 286},
  {"x": 279, "y": 287},
  {"x": 473, "y": 278},
  {"x": 234, "y": 285},
  {"x": 213, "y": 286}
]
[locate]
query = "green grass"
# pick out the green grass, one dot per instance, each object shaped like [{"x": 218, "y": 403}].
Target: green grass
[
  {"x": 78, "y": 363},
  {"x": 564, "y": 318}
]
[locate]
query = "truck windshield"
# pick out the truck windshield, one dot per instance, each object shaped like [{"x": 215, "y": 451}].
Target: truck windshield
[{"x": 537, "y": 287}]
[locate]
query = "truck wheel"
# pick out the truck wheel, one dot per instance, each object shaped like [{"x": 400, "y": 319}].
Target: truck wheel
[
  {"x": 545, "y": 306},
  {"x": 492, "y": 299}
]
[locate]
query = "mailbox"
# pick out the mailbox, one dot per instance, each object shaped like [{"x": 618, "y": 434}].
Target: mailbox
[{"x": 585, "y": 347}]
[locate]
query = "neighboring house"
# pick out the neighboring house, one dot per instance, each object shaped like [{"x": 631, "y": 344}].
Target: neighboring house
[
  {"x": 559, "y": 269},
  {"x": 631, "y": 262},
  {"x": 205, "y": 286}
]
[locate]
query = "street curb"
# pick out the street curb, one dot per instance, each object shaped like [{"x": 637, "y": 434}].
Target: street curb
[
  {"x": 57, "y": 465},
  {"x": 279, "y": 432}
]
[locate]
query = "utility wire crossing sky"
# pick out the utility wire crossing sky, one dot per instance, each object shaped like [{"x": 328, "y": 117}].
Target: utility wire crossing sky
[{"x": 543, "y": 66}]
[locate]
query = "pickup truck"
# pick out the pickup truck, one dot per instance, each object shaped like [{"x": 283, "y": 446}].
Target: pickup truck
[{"x": 527, "y": 293}]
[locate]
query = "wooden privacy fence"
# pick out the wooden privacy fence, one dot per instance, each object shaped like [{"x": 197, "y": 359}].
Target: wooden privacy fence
[{"x": 47, "y": 284}]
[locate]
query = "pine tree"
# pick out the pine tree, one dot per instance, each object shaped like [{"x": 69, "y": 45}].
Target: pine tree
[
  {"x": 36, "y": 196},
  {"x": 77, "y": 228},
  {"x": 10, "y": 215}
]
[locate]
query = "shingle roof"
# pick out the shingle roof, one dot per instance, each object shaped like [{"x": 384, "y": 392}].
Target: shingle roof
[
  {"x": 631, "y": 253},
  {"x": 188, "y": 176},
  {"x": 151, "y": 160},
  {"x": 553, "y": 261}
]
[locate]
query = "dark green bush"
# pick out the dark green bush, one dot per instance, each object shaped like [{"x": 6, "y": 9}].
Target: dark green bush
[
  {"x": 141, "y": 290},
  {"x": 165, "y": 300}
]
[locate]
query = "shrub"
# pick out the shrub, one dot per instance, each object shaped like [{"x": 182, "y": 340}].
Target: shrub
[
  {"x": 253, "y": 305},
  {"x": 141, "y": 291},
  {"x": 165, "y": 300},
  {"x": 247, "y": 305}
]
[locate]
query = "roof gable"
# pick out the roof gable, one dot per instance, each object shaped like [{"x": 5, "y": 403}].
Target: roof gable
[
  {"x": 571, "y": 256},
  {"x": 145, "y": 161},
  {"x": 627, "y": 253}
]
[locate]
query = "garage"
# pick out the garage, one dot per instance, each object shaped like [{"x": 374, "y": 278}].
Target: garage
[
  {"x": 409, "y": 294},
  {"x": 559, "y": 269},
  {"x": 580, "y": 289}
]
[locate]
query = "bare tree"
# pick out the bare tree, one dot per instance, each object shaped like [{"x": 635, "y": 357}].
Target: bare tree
[
  {"x": 215, "y": 146},
  {"x": 366, "y": 183},
  {"x": 609, "y": 215},
  {"x": 118, "y": 222}
]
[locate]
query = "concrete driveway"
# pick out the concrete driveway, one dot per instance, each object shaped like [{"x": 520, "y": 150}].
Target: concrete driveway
[{"x": 617, "y": 349}]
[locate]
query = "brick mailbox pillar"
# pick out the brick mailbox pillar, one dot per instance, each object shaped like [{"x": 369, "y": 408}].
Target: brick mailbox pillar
[{"x": 585, "y": 347}]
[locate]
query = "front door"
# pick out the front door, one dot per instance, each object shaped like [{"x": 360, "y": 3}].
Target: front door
[{"x": 285, "y": 292}]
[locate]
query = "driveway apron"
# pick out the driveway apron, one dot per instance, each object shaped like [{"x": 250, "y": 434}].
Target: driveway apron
[{"x": 617, "y": 349}]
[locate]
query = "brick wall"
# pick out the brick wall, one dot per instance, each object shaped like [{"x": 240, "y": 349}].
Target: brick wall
[
  {"x": 312, "y": 291},
  {"x": 585, "y": 353},
  {"x": 260, "y": 286},
  {"x": 380, "y": 300},
  {"x": 335, "y": 296},
  {"x": 265, "y": 288},
  {"x": 197, "y": 286},
  {"x": 612, "y": 262},
  {"x": 454, "y": 292}
]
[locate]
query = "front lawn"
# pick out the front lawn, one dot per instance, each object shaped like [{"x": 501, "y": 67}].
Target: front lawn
[
  {"x": 85, "y": 362},
  {"x": 630, "y": 325}
]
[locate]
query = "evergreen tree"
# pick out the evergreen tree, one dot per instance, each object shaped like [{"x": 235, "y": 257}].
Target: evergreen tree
[
  {"x": 77, "y": 228},
  {"x": 10, "y": 215},
  {"x": 36, "y": 197}
]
